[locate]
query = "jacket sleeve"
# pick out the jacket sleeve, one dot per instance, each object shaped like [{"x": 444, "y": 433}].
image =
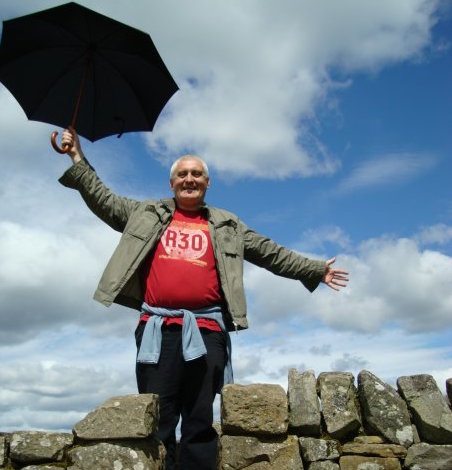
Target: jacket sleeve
[
  {"x": 108, "y": 206},
  {"x": 266, "y": 253}
]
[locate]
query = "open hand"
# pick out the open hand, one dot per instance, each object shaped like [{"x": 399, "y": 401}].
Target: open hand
[{"x": 334, "y": 278}]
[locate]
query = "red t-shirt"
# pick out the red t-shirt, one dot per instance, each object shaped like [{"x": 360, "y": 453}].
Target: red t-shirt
[{"x": 181, "y": 270}]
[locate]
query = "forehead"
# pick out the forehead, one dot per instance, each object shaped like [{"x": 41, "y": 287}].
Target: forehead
[{"x": 188, "y": 164}]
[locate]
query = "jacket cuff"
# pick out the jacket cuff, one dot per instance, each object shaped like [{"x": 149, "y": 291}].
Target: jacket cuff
[{"x": 312, "y": 280}]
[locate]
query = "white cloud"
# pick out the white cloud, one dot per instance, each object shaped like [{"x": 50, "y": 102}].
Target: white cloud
[
  {"x": 244, "y": 104},
  {"x": 251, "y": 91},
  {"x": 439, "y": 234},
  {"x": 36, "y": 395},
  {"x": 388, "y": 354},
  {"x": 385, "y": 170},
  {"x": 392, "y": 281},
  {"x": 253, "y": 76}
]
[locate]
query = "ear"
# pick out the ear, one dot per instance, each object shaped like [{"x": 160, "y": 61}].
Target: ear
[
  {"x": 208, "y": 182},
  {"x": 171, "y": 184}
]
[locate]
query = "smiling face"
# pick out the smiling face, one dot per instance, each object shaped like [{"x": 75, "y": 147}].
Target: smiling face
[{"x": 189, "y": 183}]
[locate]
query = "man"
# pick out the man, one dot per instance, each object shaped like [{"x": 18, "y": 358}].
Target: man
[{"x": 180, "y": 262}]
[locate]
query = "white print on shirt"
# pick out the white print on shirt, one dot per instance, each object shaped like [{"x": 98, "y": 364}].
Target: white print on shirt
[{"x": 185, "y": 241}]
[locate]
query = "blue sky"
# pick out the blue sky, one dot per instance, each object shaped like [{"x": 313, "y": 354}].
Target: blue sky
[{"x": 326, "y": 126}]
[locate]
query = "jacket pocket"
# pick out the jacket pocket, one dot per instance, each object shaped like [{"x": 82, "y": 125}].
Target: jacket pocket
[
  {"x": 227, "y": 238},
  {"x": 142, "y": 225}
]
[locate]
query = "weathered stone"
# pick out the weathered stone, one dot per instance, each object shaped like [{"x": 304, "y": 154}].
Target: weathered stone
[
  {"x": 304, "y": 408},
  {"x": 339, "y": 404},
  {"x": 432, "y": 416},
  {"x": 254, "y": 409},
  {"x": 369, "y": 440},
  {"x": 108, "y": 456},
  {"x": 357, "y": 462},
  {"x": 313, "y": 449},
  {"x": 374, "y": 450},
  {"x": 38, "y": 446},
  {"x": 2, "y": 450},
  {"x": 383, "y": 411},
  {"x": 416, "y": 438},
  {"x": 242, "y": 452},
  {"x": 324, "y": 465},
  {"x": 449, "y": 390},
  {"x": 129, "y": 416},
  {"x": 41, "y": 467},
  {"x": 431, "y": 457}
]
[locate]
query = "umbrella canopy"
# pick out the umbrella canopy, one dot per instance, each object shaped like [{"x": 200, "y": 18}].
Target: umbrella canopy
[{"x": 71, "y": 65}]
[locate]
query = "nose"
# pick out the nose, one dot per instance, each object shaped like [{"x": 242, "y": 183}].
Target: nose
[{"x": 189, "y": 177}]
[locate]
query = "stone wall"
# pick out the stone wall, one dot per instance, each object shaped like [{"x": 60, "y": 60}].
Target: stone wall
[{"x": 320, "y": 423}]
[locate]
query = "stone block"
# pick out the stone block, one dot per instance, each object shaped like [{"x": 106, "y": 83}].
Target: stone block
[
  {"x": 41, "y": 467},
  {"x": 304, "y": 407},
  {"x": 431, "y": 457},
  {"x": 357, "y": 462},
  {"x": 383, "y": 410},
  {"x": 2, "y": 451},
  {"x": 339, "y": 404},
  {"x": 259, "y": 409},
  {"x": 374, "y": 450},
  {"x": 431, "y": 414},
  {"x": 324, "y": 465},
  {"x": 259, "y": 453},
  {"x": 313, "y": 449},
  {"x": 124, "y": 417},
  {"x": 27, "y": 447},
  {"x": 108, "y": 456}
]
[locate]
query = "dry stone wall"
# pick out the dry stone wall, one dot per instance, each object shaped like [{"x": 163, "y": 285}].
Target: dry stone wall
[{"x": 320, "y": 423}]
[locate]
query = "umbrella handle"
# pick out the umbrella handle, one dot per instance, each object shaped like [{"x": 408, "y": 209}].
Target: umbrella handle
[{"x": 56, "y": 147}]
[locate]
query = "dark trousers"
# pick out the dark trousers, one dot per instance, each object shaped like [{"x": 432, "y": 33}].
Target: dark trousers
[{"x": 187, "y": 390}]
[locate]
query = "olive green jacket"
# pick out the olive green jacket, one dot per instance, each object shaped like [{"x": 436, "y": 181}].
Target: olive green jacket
[{"x": 142, "y": 223}]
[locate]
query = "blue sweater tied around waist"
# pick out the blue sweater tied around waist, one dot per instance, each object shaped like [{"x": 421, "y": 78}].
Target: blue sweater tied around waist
[{"x": 192, "y": 343}]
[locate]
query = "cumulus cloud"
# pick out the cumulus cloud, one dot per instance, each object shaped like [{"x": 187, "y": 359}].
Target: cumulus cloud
[
  {"x": 257, "y": 98},
  {"x": 393, "y": 280},
  {"x": 252, "y": 90},
  {"x": 253, "y": 76},
  {"x": 321, "y": 350},
  {"x": 348, "y": 362},
  {"x": 385, "y": 170},
  {"x": 388, "y": 354},
  {"x": 55, "y": 396},
  {"x": 48, "y": 278},
  {"x": 439, "y": 234}
]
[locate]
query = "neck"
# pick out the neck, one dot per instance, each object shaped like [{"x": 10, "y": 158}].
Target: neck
[{"x": 189, "y": 208}]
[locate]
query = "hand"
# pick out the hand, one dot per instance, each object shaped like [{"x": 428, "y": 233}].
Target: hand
[
  {"x": 70, "y": 138},
  {"x": 334, "y": 278}
]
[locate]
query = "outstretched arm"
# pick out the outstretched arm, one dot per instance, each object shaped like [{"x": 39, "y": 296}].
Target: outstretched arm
[{"x": 334, "y": 278}]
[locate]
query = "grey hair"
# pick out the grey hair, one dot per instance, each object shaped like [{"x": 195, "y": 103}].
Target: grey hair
[{"x": 205, "y": 168}]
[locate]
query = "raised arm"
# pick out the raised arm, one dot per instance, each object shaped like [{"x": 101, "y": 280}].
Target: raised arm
[{"x": 108, "y": 206}]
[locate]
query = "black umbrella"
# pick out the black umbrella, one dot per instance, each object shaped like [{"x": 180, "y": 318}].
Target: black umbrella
[{"x": 69, "y": 64}]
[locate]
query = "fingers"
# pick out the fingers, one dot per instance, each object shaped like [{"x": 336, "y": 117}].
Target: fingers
[
  {"x": 339, "y": 271},
  {"x": 330, "y": 261},
  {"x": 337, "y": 279},
  {"x": 70, "y": 139}
]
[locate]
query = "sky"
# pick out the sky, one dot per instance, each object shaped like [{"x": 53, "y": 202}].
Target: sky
[{"x": 326, "y": 126}]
